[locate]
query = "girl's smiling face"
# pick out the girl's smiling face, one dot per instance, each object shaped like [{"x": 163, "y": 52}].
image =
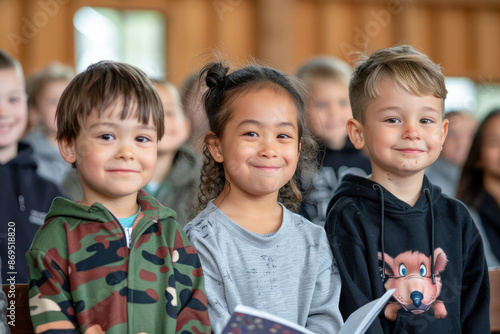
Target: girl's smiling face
[{"x": 259, "y": 147}]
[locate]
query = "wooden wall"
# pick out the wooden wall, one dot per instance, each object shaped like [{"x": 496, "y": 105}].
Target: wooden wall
[{"x": 462, "y": 35}]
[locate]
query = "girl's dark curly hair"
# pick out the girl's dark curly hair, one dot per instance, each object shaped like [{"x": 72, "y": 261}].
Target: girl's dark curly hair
[{"x": 223, "y": 90}]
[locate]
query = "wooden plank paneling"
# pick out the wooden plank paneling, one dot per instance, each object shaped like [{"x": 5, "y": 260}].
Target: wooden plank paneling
[
  {"x": 236, "y": 30},
  {"x": 187, "y": 37},
  {"x": 453, "y": 40},
  {"x": 336, "y": 25},
  {"x": 462, "y": 35},
  {"x": 305, "y": 39},
  {"x": 48, "y": 19},
  {"x": 415, "y": 27},
  {"x": 486, "y": 64},
  {"x": 11, "y": 18}
]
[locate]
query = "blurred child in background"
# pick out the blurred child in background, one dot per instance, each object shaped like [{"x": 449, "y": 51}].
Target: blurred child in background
[
  {"x": 445, "y": 172},
  {"x": 192, "y": 103},
  {"x": 177, "y": 172},
  {"x": 479, "y": 185},
  {"x": 327, "y": 115},
  {"x": 44, "y": 90},
  {"x": 25, "y": 197}
]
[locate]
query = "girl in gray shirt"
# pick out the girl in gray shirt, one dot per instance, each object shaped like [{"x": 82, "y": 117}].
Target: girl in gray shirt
[{"x": 254, "y": 250}]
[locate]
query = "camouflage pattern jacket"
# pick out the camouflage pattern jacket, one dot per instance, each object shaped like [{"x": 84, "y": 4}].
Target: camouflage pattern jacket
[{"x": 84, "y": 278}]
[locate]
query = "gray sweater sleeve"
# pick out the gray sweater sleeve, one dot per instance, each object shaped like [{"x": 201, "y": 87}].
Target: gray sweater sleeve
[
  {"x": 218, "y": 308},
  {"x": 324, "y": 315}
]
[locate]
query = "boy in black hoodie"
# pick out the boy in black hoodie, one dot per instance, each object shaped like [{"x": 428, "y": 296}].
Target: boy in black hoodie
[{"x": 394, "y": 229}]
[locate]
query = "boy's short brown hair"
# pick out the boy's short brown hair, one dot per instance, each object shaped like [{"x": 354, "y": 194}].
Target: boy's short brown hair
[
  {"x": 53, "y": 72},
  {"x": 99, "y": 87},
  {"x": 7, "y": 62},
  {"x": 410, "y": 70}
]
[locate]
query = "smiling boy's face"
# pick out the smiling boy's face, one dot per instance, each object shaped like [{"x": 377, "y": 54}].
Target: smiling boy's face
[
  {"x": 403, "y": 133},
  {"x": 114, "y": 157},
  {"x": 329, "y": 112},
  {"x": 13, "y": 112},
  {"x": 46, "y": 105}
]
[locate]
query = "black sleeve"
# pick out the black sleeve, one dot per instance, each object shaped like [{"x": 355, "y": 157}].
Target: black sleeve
[{"x": 475, "y": 296}]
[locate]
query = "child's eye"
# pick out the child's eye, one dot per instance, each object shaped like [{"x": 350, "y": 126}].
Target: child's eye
[
  {"x": 251, "y": 134},
  {"x": 344, "y": 103},
  {"x": 107, "y": 136},
  {"x": 14, "y": 99},
  {"x": 284, "y": 136},
  {"x": 142, "y": 139},
  {"x": 320, "y": 104},
  {"x": 392, "y": 120},
  {"x": 426, "y": 121}
]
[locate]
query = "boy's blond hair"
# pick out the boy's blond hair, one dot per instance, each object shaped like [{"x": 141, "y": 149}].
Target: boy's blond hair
[
  {"x": 100, "y": 86},
  {"x": 410, "y": 70},
  {"x": 325, "y": 67}
]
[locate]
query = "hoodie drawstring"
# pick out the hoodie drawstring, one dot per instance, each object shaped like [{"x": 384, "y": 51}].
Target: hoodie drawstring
[
  {"x": 428, "y": 195},
  {"x": 382, "y": 227}
]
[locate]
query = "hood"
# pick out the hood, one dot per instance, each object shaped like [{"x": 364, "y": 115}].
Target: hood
[
  {"x": 97, "y": 212},
  {"x": 24, "y": 158},
  {"x": 362, "y": 187},
  {"x": 387, "y": 204}
]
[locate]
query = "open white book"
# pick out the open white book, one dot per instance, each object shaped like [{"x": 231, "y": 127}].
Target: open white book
[{"x": 247, "y": 320}]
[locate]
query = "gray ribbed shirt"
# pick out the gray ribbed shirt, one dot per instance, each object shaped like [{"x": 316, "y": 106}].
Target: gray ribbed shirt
[{"x": 289, "y": 273}]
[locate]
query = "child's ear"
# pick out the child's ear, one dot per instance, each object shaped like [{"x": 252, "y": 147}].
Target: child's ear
[
  {"x": 355, "y": 133},
  {"x": 213, "y": 145},
  {"x": 67, "y": 150},
  {"x": 444, "y": 131}
]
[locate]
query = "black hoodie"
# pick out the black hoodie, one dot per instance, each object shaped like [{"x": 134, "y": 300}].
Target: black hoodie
[
  {"x": 381, "y": 242},
  {"x": 25, "y": 199}
]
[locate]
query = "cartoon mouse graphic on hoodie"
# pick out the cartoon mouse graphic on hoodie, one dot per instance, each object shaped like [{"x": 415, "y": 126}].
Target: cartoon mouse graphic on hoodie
[
  {"x": 430, "y": 252},
  {"x": 417, "y": 281}
]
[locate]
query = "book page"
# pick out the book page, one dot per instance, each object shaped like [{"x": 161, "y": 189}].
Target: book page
[
  {"x": 360, "y": 320},
  {"x": 247, "y": 320}
]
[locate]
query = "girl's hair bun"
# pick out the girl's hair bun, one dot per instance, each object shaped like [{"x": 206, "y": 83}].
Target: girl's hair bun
[{"x": 215, "y": 74}]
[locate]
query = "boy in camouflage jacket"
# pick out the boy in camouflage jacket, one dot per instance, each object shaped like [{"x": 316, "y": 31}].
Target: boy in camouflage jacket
[{"x": 115, "y": 262}]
